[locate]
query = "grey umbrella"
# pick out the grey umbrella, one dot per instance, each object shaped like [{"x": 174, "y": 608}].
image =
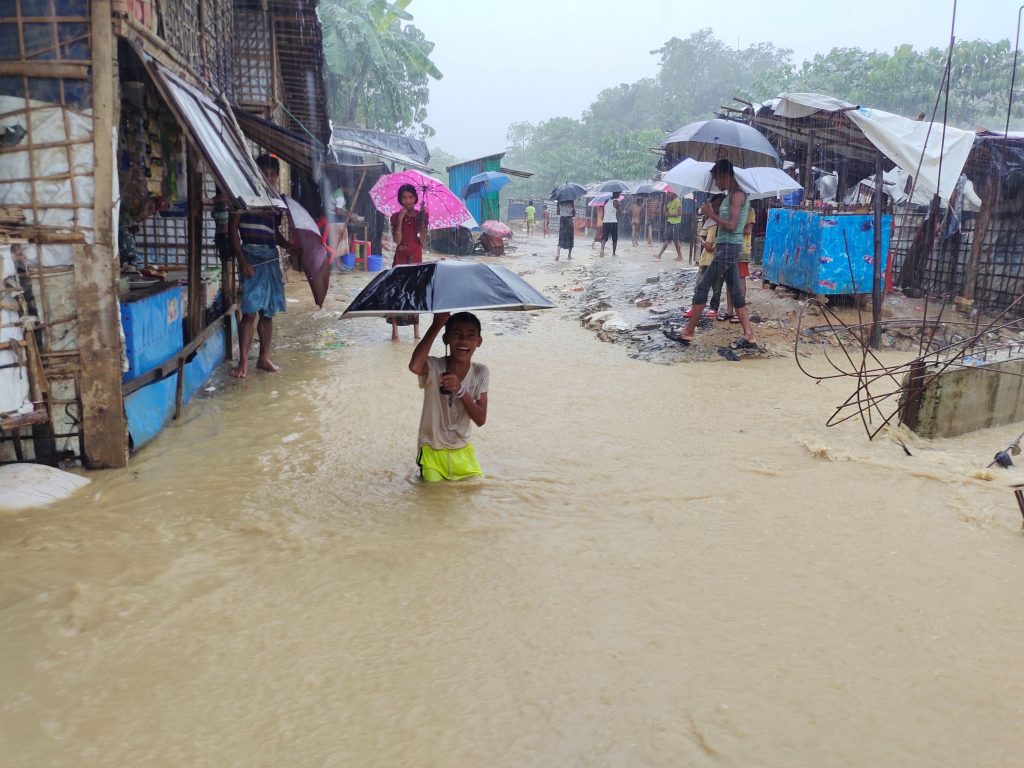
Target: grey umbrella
[
  {"x": 445, "y": 286},
  {"x": 709, "y": 140},
  {"x": 568, "y": 191},
  {"x": 615, "y": 186}
]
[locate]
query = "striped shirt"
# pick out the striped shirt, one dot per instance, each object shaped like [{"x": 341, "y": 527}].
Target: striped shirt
[{"x": 259, "y": 227}]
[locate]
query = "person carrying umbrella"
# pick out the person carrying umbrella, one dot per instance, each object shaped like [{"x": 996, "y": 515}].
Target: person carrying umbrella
[
  {"x": 454, "y": 398},
  {"x": 610, "y": 227},
  {"x": 407, "y": 228},
  {"x": 731, "y": 219},
  {"x": 566, "y": 235}
]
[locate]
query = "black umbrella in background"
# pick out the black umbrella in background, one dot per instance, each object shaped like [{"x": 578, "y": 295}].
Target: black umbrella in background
[
  {"x": 568, "y": 191},
  {"x": 615, "y": 186},
  {"x": 445, "y": 286}
]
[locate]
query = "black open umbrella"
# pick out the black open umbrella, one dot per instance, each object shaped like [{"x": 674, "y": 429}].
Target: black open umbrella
[
  {"x": 445, "y": 286},
  {"x": 615, "y": 186},
  {"x": 568, "y": 191}
]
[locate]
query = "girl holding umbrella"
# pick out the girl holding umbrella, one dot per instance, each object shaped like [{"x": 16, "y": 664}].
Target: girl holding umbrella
[{"x": 408, "y": 227}]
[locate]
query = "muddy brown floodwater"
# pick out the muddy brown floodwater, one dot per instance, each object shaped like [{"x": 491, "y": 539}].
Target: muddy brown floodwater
[{"x": 666, "y": 565}]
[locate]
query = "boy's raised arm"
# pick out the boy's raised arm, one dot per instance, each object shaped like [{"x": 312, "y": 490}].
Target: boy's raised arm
[{"x": 418, "y": 361}]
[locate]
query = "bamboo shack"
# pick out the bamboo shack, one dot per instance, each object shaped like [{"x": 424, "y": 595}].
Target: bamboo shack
[
  {"x": 118, "y": 123},
  {"x": 972, "y": 254}
]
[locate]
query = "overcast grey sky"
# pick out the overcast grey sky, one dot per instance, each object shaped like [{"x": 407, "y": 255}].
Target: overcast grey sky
[{"x": 536, "y": 59}]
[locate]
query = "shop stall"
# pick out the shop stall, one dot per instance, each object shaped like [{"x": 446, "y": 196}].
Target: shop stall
[{"x": 824, "y": 254}]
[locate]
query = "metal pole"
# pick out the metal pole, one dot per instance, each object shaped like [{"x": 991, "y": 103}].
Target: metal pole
[
  {"x": 1013, "y": 73},
  {"x": 876, "y": 277}
]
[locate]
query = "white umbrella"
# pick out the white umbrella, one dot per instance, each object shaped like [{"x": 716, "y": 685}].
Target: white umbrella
[{"x": 758, "y": 183}]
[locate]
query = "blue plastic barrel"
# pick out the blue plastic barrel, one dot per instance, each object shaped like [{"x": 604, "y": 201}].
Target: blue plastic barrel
[
  {"x": 375, "y": 263},
  {"x": 349, "y": 260}
]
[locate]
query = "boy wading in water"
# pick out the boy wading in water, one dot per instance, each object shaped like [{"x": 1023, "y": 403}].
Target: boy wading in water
[{"x": 454, "y": 398}]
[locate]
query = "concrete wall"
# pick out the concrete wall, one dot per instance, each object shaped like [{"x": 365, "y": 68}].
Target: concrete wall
[{"x": 965, "y": 399}]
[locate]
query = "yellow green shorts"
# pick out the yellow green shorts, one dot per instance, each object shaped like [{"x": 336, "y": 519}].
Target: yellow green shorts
[{"x": 448, "y": 463}]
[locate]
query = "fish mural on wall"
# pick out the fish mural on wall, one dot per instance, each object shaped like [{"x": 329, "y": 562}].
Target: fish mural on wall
[{"x": 822, "y": 254}]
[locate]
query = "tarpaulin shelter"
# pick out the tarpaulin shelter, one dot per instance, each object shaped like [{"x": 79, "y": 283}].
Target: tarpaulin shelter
[
  {"x": 359, "y": 145},
  {"x": 977, "y": 258},
  {"x": 122, "y": 116},
  {"x": 484, "y": 206},
  {"x": 361, "y": 156}
]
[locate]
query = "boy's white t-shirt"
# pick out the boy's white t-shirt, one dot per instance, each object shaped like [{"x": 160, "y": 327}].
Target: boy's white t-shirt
[{"x": 443, "y": 425}]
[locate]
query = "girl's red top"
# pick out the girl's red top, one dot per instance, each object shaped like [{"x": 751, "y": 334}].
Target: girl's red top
[{"x": 410, "y": 251}]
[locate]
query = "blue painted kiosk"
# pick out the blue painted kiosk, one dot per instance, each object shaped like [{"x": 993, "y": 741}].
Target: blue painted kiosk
[
  {"x": 820, "y": 253},
  {"x": 154, "y": 336}
]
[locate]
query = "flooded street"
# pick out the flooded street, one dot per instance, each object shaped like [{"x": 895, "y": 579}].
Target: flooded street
[{"x": 666, "y": 565}]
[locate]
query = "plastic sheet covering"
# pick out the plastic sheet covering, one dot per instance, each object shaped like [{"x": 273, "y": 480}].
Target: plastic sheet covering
[
  {"x": 1008, "y": 159},
  {"x": 446, "y": 286},
  {"x": 14, "y": 388},
  {"x": 903, "y": 140},
  {"x": 214, "y": 133},
  {"x": 23, "y": 486},
  {"x": 48, "y": 168},
  {"x": 796, "y": 105},
  {"x": 906, "y": 142},
  {"x": 895, "y": 184}
]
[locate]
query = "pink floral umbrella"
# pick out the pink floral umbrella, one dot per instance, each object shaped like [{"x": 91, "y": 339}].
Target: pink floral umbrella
[{"x": 444, "y": 208}]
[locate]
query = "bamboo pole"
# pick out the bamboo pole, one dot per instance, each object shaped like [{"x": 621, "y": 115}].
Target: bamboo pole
[
  {"x": 104, "y": 428},
  {"x": 988, "y": 203},
  {"x": 195, "y": 242},
  {"x": 876, "y": 271}
]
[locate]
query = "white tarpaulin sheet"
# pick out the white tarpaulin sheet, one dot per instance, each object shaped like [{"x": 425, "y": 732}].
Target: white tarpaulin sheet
[
  {"x": 896, "y": 182},
  {"x": 806, "y": 104},
  {"x": 14, "y": 390},
  {"x": 904, "y": 141}
]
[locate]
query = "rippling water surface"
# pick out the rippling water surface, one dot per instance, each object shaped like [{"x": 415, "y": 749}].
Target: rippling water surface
[{"x": 665, "y": 566}]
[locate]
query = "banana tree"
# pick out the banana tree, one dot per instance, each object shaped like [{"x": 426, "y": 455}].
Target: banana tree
[{"x": 378, "y": 64}]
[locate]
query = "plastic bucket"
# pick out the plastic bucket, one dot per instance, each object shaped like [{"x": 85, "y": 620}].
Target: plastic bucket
[
  {"x": 349, "y": 260},
  {"x": 375, "y": 263}
]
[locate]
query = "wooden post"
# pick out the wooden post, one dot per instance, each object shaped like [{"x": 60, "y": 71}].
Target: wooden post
[
  {"x": 988, "y": 203},
  {"x": 104, "y": 427},
  {"x": 809, "y": 168},
  {"x": 179, "y": 388},
  {"x": 876, "y": 272},
  {"x": 194, "y": 322}
]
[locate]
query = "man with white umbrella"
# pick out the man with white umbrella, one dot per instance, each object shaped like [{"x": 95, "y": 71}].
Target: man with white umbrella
[{"x": 731, "y": 220}]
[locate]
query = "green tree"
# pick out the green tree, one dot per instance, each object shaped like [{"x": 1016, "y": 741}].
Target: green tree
[
  {"x": 697, "y": 75},
  {"x": 378, "y": 65},
  {"x": 907, "y": 82}
]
